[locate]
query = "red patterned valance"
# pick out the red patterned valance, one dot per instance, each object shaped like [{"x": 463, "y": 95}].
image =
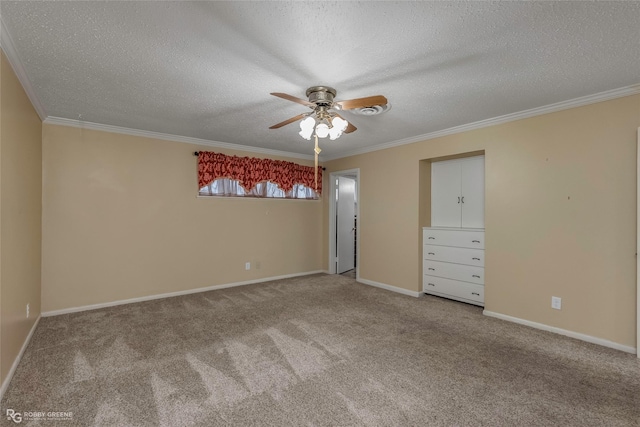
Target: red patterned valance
[{"x": 249, "y": 171}]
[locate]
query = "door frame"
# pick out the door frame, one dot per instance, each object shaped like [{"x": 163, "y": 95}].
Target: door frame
[
  {"x": 638, "y": 249},
  {"x": 350, "y": 173}
]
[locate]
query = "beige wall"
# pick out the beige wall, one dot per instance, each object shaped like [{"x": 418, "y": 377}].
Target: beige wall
[
  {"x": 121, "y": 220},
  {"x": 560, "y": 215},
  {"x": 20, "y": 215}
]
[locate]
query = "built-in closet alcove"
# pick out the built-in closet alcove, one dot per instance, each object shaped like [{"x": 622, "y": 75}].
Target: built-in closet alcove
[{"x": 451, "y": 226}]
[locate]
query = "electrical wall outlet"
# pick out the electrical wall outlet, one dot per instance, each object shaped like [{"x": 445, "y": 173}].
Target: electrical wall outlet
[
  {"x": 556, "y": 302},
  {"x": 27, "y": 311},
  {"x": 247, "y": 266}
]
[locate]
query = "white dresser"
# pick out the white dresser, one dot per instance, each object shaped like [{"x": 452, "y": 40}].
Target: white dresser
[{"x": 453, "y": 263}]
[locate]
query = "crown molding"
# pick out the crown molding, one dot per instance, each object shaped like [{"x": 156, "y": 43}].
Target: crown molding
[
  {"x": 7, "y": 45},
  {"x": 168, "y": 137},
  {"x": 552, "y": 108},
  {"x": 559, "y": 106}
]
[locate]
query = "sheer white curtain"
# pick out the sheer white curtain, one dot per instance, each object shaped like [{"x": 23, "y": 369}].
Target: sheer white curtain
[{"x": 232, "y": 188}]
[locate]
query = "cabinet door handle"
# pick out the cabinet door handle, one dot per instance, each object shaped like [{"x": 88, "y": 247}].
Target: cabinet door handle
[
  {"x": 432, "y": 269},
  {"x": 475, "y": 293},
  {"x": 430, "y": 284},
  {"x": 475, "y": 275},
  {"x": 476, "y": 259},
  {"x": 431, "y": 238},
  {"x": 462, "y": 199},
  {"x": 475, "y": 241},
  {"x": 431, "y": 253},
  {"x": 458, "y": 199}
]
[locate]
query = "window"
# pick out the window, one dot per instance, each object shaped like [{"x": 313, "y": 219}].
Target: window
[{"x": 232, "y": 188}]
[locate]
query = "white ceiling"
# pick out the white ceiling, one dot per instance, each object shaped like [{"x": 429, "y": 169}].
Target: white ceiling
[{"x": 205, "y": 69}]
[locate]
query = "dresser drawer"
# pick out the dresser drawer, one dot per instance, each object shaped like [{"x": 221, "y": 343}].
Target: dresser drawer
[
  {"x": 453, "y": 254},
  {"x": 461, "y": 238},
  {"x": 466, "y": 273},
  {"x": 468, "y": 292}
]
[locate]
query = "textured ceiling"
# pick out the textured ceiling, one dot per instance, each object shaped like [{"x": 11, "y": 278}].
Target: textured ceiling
[{"x": 205, "y": 69}]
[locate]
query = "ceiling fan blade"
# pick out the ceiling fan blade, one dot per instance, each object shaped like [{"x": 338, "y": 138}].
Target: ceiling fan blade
[
  {"x": 286, "y": 122},
  {"x": 369, "y": 101},
  {"x": 350, "y": 127},
  {"x": 294, "y": 99}
]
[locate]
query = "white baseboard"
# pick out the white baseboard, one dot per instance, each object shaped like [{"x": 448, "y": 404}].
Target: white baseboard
[
  {"x": 14, "y": 366},
  {"x": 389, "y": 287},
  {"x": 571, "y": 334},
  {"x": 173, "y": 294}
]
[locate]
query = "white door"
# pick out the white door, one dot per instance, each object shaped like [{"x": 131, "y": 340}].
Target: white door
[
  {"x": 472, "y": 192},
  {"x": 445, "y": 194},
  {"x": 345, "y": 224}
]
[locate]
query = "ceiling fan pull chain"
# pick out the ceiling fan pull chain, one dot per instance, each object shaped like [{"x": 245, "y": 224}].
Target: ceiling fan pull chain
[{"x": 316, "y": 150}]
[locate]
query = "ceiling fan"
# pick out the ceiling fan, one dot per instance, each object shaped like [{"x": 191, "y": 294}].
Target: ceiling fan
[{"x": 324, "y": 118}]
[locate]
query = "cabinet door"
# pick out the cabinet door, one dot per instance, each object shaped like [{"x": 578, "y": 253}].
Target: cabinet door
[
  {"x": 445, "y": 194},
  {"x": 472, "y": 190}
]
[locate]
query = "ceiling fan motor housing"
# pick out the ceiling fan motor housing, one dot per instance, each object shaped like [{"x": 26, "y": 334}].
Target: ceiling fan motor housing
[{"x": 321, "y": 95}]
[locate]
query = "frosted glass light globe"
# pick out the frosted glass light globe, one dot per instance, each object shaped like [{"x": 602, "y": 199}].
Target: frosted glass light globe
[{"x": 322, "y": 130}]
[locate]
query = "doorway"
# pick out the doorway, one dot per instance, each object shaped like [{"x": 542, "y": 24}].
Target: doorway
[{"x": 344, "y": 223}]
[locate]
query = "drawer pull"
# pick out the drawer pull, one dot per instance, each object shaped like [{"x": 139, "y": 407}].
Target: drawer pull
[
  {"x": 431, "y": 253},
  {"x": 476, "y": 259},
  {"x": 475, "y": 293},
  {"x": 431, "y": 238},
  {"x": 475, "y": 275},
  {"x": 475, "y": 241},
  {"x": 430, "y": 284},
  {"x": 432, "y": 269}
]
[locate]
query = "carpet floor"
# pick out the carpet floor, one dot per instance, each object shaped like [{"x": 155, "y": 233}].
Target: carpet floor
[{"x": 319, "y": 350}]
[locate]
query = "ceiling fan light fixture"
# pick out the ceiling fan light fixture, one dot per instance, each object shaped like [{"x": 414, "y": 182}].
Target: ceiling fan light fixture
[
  {"x": 324, "y": 121},
  {"x": 340, "y": 123},
  {"x": 306, "y": 134},
  {"x": 306, "y": 127},
  {"x": 322, "y": 130},
  {"x": 338, "y": 126},
  {"x": 334, "y": 134}
]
